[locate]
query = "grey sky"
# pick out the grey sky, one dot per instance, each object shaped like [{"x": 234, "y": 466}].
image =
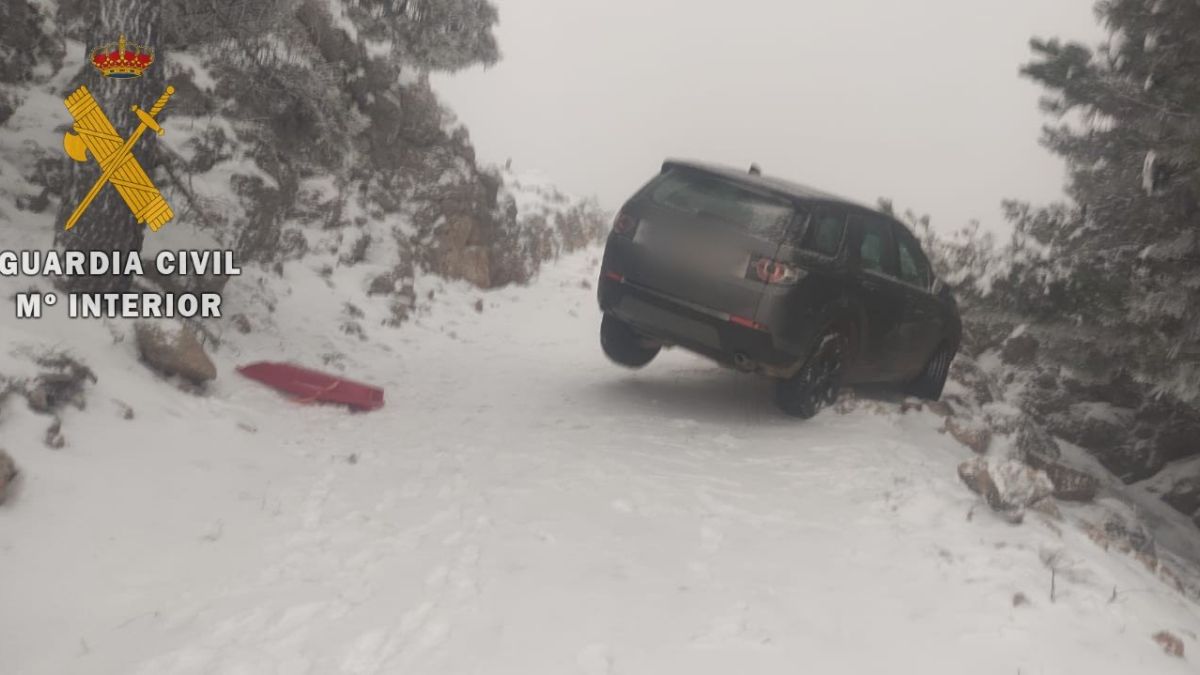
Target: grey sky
[{"x": 920, "y": 101}]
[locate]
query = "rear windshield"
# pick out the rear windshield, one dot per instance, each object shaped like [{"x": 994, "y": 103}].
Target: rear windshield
[{"x": 713, "y": 198}]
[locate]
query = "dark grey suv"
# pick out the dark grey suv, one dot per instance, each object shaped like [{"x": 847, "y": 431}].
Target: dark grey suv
[{"x": 772, "y": 277}]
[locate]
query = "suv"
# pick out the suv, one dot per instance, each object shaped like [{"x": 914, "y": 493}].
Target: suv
[{"x": 772, "y": 277}]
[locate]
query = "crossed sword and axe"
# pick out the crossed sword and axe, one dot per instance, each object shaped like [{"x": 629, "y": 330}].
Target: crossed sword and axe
[{"x": 94, "y": 132}]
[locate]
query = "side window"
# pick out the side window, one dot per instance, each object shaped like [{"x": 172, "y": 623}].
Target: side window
[
  {"x": 914, "y": 268},
  {"x": 875, "y": 245},
  {"x": 825, "y": 233}
]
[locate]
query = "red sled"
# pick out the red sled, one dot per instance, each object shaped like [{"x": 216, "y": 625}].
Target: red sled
[{"x": 310, "y": 386}]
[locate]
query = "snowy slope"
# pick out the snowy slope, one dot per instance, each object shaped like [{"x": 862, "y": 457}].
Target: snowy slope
[{"x": 521, "y": 506}]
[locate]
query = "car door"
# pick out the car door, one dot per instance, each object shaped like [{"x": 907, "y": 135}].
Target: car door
[
  {"x": 880, "y": 294},
  {"x": 816, "y": 245},
  {"x": 922, "y": 326}
]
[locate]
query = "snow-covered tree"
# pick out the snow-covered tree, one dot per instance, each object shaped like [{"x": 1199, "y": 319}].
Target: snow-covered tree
[
  {"x": 1127, "y": 262},
  {"x": 108, "y": 224}
]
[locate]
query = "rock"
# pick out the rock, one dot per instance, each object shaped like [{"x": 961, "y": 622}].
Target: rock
[
  {"x": 968, "y": 373},
  {"x": 847, "y": 402},
  {"x": 1083, "y": 425},
  {"x": 54, "y": 438},
  {"x": 1107, "y": 434},
  {"x": 1047, "y": 507},
  {"x": 1184, "y": 496},
  {"x": 479, "y": 306},
  {"x": 1122, "y": 529},
  {"x": 978, "y": 479},
  {"x": 471, "y": 264},
  {"x": 1171, "y": 644},
  {"x": 1047, "y": 396},
  {"x": 1070, "y": 485},
  {"x": 1169, "y": 429},
  {"x": 1020, "y": 600},
  {"x": 1032, "y": 439},
  {"x": 1008, "y": 486},
  {"x": 458, "y": 251},
  {"x": 1122, "y": 391},
  {"x": 1020, "y": 350},
  {"x": 1046, "y": 379},
  {"x": 8, "y": 475},
  {"x": 1003, "y": 421},
  {"x": 941, "y": 409},
  {"x": 975, "y": 436},
  {"x": 173, "y": 349}
]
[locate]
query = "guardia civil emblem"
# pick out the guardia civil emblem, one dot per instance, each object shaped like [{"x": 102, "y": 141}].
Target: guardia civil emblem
[{"x": 93, "y": 133}]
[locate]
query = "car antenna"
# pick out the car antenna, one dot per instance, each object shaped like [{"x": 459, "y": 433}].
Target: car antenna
[{"x": 755, "y": 170}]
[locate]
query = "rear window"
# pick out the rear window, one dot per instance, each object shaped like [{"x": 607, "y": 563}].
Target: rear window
[{"x": 710, "y": 197}]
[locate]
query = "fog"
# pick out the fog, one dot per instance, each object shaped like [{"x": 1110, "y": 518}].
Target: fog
[{"x": 919, "y": 101}]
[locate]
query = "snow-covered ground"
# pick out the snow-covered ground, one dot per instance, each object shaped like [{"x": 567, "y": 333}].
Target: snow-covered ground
[{"x": 522, "y": 506}]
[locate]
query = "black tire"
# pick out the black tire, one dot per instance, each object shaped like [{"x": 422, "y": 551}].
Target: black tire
[
  {"x": 932, "y": 380},
  {"x": 817, "y": 384},
  {"x": 624, "y": 346}
]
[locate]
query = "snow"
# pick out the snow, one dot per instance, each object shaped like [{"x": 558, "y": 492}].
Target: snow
[
  {"x": 1148, "y": 167},
  {"x": 341, "y": 19},
  {"x": 522, "y": 506},
  {"x": 193, "y": 65}
]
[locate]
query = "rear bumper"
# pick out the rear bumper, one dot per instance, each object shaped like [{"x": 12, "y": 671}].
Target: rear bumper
[{"x": 706, "y": 331}]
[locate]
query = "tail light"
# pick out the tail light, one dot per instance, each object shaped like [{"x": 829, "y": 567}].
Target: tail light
[
  {"x": 625, "y": 224},
  {"x": 747, "y": 323},
  {"x": 774, "y": 272}
]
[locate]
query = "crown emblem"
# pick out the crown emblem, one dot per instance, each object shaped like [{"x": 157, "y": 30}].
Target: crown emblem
[{"x": 121, "y": 59}]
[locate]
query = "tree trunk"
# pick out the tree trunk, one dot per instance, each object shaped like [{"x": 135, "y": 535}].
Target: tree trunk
[{"x": 108, "y": 224}]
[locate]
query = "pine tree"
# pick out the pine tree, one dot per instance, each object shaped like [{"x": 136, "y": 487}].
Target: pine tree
[
  {"x": 1126, "y": 263},
  {"x": 444, "y": 35}
]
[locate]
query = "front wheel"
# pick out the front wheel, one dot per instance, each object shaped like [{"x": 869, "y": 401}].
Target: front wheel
[
  {"x": 817, "y": 384},
  {"x": 623, "y": 345},
  {"x": 932, "y": 380}
]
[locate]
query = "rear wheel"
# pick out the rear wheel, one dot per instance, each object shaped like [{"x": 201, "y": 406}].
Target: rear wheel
[
  {"x": 932, "y": 380},
  {"x": 817, "y": 384},
  {"x": 623, "y": 345}
]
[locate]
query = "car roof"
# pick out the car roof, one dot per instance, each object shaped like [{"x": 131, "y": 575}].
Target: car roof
[{"x": 770, "y": 183}]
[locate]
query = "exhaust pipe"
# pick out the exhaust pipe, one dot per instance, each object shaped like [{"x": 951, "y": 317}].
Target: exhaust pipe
[{"x": 743, "y": 363}]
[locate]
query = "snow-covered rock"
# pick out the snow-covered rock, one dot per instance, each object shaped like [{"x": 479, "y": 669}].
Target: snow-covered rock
[
  {"x": 1070, "y": 484},
  {"x": 974, "y": 434},
  {"x": 1008, "y": 486},
  {"x": 172, "y": 348}
]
